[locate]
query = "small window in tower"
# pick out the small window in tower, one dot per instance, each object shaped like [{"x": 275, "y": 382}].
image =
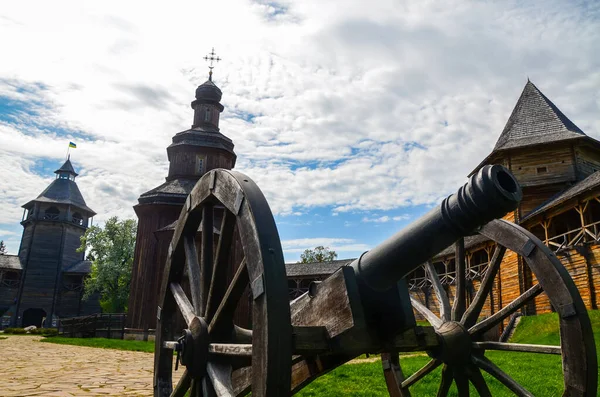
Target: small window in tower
[
  {"x": 77, "y": 219},
  {"x": 541, "y": 170},
  {"x": 200, "y": 160},
  {"x": 207, "y": 114},
  {"x": 51, "y": 214},
  {"x": 10, "y": 279},
  {"x": 72, "y": 282}
]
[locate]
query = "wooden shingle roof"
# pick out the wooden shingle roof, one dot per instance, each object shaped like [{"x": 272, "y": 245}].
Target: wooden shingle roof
[
  {"x": 10, "y": 262},
  {"x": 63, "y": 191},
  {"x": 314, "y": 269},
  {"x": 67, "y": 167},
  {"x": 536, "y": 120},
  {"x": 81, "y": 267},
  {"x": 589, "y": 183},
  {"x": 173, "y": 191}
]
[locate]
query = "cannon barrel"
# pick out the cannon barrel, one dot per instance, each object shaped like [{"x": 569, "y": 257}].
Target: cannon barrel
[{"x": 488, "y": 195}]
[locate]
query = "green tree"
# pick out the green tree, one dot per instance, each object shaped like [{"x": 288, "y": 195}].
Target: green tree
[
  {"x": 110, "y": 249},
  {"x": 319, "y": 254},
  {"x": 2, "y": 248}
]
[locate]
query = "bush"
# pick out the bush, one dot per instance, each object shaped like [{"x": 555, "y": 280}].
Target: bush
[
  {"x": 15, "y": 331},
  {"x": 45, "y": 332}
]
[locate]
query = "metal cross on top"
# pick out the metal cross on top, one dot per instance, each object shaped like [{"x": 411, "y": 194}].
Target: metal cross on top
[{"x": 211, "y": 57}]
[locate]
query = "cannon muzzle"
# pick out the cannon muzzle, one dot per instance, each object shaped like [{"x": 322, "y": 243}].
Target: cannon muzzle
[{"x": 490, "y": 194}]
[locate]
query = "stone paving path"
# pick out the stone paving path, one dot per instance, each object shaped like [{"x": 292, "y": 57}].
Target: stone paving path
[{"x": 32, "y": 368}]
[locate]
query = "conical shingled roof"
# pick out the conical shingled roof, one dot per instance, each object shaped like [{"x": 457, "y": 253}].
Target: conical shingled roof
[
  {"x": 67, "y": 167},
  {"x": 536, "y": 120},
  {"x": 63, "y": 191}
]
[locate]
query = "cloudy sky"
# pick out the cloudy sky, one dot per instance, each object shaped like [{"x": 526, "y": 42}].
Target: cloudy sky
[{"x": 354, "y": 117}]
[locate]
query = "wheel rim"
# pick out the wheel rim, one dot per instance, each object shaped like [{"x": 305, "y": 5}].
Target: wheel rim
[
  {"x": 223, "y": 359},
  {"x": 458, "y": 325}
]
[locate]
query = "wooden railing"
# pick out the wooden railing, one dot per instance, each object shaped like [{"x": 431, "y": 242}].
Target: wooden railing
[
  {"x": 474, "y": 272},
  {"x": 109, "y": 325},
  {"x": 589, "y": 233}
]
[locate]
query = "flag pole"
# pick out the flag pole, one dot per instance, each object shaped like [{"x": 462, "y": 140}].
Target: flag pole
[{"x": 67, "y": 156}]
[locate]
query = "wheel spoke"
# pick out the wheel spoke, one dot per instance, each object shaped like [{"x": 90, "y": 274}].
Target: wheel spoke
[
  {"x": 507, "y": 310},
  {"x": 185, "y": 307},
  {"x": 518, "y": 347},
  {"x": 230, "y": 349},
  {"x": 183, "y": 385},
  {"x": 440, "y": 293},
  {"x": 428, "y": 314},
  {"x": 196, "y": 388},
  {"x": 502, "y": 376},
  {"x": 472, "y": 314},
  {"x": 462, "y": 382},
  {"x": 219, "y": 274},
  {"x": 220, "y": 377},
  {"x": 478, "y": 381},
  {"x": 242, "y": 335},
  {"x": 242, "y": 381},
  {"x": 193, "y": 268},
  {"x": 232, "y": 296},
  {"x": 430, "y": 366},
  {"x": 446, "y": 381},
  {"x": 458, "y": 308},
  {"x": 206, "y": 258},
  {"x": 207, "y": 388},
  {"x": 392, "y": 371}
]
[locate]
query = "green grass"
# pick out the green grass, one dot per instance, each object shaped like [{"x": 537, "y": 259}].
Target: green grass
[
  {"x": 131, "y": 345},
  {"x": 3, "y": 337},
  {"x": 541, "y": 374}
]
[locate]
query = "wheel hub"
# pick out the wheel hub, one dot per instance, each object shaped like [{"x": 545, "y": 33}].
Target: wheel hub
[
  {"x": 193, "y": 348},
  {"x": 456, "y": 345}
]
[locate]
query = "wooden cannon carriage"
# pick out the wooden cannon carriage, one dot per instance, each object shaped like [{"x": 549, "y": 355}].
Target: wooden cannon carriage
[{"x": 362, "y": 308}]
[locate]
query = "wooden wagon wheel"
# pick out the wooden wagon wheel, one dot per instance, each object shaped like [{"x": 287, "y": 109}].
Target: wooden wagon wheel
[
  {"x": 222, "y": 359},
  {"x": 462, "y": 354}
]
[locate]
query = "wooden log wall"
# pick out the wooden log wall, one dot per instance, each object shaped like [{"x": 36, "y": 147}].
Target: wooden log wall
[
  {"x": 149, "y": 261},
  {"x": 185, "y": 162},
  {"x": 543, "y": 166},
  {"x": 587, "y": 160}
]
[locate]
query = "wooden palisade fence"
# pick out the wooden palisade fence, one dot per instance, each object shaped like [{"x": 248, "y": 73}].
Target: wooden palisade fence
[{"x": 106, "y": 325}]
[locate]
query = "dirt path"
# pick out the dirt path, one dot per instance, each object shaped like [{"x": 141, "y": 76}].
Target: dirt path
[{"x": 32, "y": 368}]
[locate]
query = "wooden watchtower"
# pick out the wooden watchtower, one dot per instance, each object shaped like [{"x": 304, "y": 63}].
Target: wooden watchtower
[
  {"x": 52, "y": 271},
  {"x": 543, "y": 149}
]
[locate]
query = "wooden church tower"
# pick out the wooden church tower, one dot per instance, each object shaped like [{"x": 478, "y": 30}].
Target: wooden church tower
[
  {"x": 192, "y": 153},
  {"x": 52, "y": 270}
]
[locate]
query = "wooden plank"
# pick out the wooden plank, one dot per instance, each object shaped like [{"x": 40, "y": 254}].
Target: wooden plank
[
  {"x": 458, "y": 308},
  {"x": 416, "y": 339},
  {"x": 309, "y": 340},
  {"x": 193, "y": 271},
  {"x": 507, "y": 310},
  {"x": 185, "y": 307},
  {"x": 334, "y": 305},
  {"x": 518, "y": 347},
  {"x": 230, "y": 349},
  {"x": 440, "y": 293},
  {"x": 230, "y": 299}
]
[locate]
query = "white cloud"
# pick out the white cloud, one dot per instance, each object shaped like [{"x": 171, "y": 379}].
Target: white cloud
[
  {"x": 365, "y": 107},
  {"x": 386, "y": 218},
  {"x": 345, "y": 245}
]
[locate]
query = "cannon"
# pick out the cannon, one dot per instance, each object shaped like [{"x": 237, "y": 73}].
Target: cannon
[{"x": 364, "y": 307}]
